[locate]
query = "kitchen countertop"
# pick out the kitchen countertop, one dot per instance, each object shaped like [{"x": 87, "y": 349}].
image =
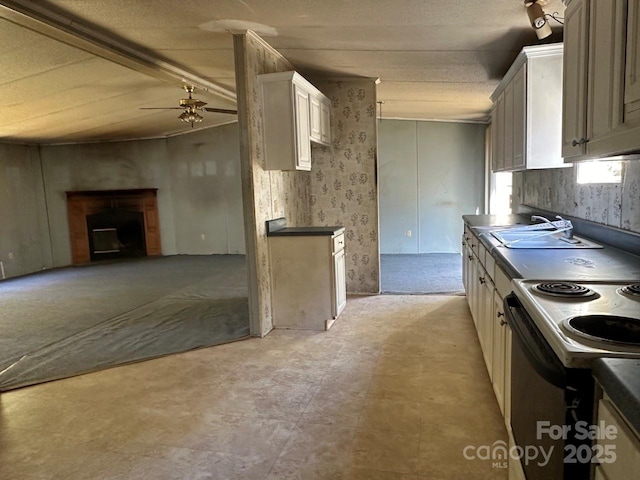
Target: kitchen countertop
[
  {"x": 620, "y": 379},
  {"x": 278, "y": 228},
  {"x": 603, "y": 264},
  {"x": 305, "y": 231}
]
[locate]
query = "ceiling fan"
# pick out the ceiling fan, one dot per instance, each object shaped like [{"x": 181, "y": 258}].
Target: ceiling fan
[{"x": 191, "y": 106}]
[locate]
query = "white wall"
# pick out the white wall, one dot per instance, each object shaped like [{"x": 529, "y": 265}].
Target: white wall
[
  {"x": 24, "y": 235},
  {"x": 207, "y": 191},
  {"x": 431, "y": 173}
]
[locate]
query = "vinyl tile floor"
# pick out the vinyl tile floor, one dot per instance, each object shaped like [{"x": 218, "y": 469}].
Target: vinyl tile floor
[{"x": 394, "y": 391}]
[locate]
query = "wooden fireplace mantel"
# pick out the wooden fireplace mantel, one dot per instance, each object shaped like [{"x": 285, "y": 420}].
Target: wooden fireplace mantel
[{"x": 80, "y": 204}]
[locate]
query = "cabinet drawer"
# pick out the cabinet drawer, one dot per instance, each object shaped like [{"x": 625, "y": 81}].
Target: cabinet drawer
[
  {"x": 502, "y": 281},
  {"x": 482, "y": 254},
  {"x": 489, "y": 265},
  {"x": 338, "y": 243},
  {"x": 474, "y": 244}
]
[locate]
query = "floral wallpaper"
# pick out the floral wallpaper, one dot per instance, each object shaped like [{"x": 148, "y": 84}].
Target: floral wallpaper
[
  {"x": 267, "y": 194},
  {"x": 344, "y": 187},
  {"x": 556, "y": 190}
]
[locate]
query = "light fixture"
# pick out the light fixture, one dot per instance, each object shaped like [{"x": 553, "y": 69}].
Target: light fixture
[
  {"x": 190, "y": 116},
  {"x": 538, "y": 19}
]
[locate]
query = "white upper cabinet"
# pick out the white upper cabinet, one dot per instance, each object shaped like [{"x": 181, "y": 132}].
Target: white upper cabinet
[
  {"x": 601, "y": 110},
  {"x": 527, "y": 112},
  {"x": 574, "y": 89},
  {"x": 320, "y": 119},
  {"x": 292, "y": 111}
]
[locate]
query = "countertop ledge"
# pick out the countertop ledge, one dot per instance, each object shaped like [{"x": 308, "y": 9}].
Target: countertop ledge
[
  {"x": 278, "y": 228},
  {"x": 305, "y": 231},
  {"x": 620, "y": 379},
  {"x": 604, "y": 264}
]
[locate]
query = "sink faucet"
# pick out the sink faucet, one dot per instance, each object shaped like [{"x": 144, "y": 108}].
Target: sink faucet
[
  {"x": 539, "y": 217},
  {"x": 561, "y": 224},
  {"x": 568, "y": 227}
]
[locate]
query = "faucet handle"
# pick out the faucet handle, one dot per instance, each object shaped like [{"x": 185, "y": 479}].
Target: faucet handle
[{"x": 539, "y": 217}]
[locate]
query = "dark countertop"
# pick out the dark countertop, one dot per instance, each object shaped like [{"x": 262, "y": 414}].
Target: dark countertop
[
  {"x": 605, "y": 264},
  {"x": 620, "y": 379},
  {"x": 278, "y": 228},
  {"x": 305, "y": 231}
]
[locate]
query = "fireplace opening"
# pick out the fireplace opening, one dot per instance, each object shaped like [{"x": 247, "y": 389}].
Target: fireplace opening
[{"x": 116, "y": 233}]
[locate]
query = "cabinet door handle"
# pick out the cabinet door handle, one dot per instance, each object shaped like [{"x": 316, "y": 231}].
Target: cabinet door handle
[
  {"x": 470, "y": 257},
  {"x": 481, "y": 280},
  {"x": 502, "y": 323},
  {"x": 582, "y": 141},
  {"x": 500, "y": 314}
]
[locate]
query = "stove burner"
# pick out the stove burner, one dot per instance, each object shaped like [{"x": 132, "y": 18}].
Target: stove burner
[
  {"x": 606, "y": 328},
  {"x": 632, "y": 290},
  {"x": 564, "y": 289}
]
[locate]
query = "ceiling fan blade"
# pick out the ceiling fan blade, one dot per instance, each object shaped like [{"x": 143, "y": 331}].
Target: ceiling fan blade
[
  {"x": 160, "y": 108},
  {"x": 220, "y": 110}
]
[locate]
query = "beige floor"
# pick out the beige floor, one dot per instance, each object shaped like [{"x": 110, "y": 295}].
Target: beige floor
[{"x": 395, "y": 390}]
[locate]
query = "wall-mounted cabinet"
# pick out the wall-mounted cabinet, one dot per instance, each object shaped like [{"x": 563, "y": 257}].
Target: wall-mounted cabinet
[
  {"x": 320, "y": 119},
  {"x": 527, "y": 112},
  {"x": 601, "y": 108},
  {"x": 293, "y": 118}
]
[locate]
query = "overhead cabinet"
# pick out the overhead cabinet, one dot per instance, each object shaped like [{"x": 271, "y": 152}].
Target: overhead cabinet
[
  {"x": 527, "y": 112},
  {"x": 295, "y": 114},
  {"x": 601, "y": 108}
]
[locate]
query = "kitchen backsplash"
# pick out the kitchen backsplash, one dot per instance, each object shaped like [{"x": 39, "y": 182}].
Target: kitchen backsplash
[
  {"x": 556, "y": 190},
  {"x": 344, "y": 178}
]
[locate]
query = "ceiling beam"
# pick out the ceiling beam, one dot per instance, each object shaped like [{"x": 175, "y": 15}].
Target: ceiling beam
[{"x": 61, "y": 27}]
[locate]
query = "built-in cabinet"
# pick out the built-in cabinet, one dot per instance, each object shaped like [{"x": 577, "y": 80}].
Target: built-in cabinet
[
  {"x": 601, "y": 91},
  {"x": 527, "y": 112},
  {"x": 486, "y": 285},
  {"x": 320, "y": 119},
  {"x": 308, "y": 280},
  {"x": 295, "y": 114},
  {"x": 620, "y": 455}
]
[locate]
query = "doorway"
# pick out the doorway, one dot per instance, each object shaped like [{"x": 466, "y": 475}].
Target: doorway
[{"x": 430, "y": 174}]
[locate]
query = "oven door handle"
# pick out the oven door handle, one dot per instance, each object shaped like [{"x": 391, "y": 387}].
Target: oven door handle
[{"x": 534, "y": 346}]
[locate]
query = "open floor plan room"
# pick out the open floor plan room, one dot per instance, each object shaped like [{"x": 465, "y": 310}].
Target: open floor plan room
[{"x": 395, "y": 390}]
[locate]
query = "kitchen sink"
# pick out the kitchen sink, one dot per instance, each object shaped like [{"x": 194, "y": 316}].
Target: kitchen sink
[{"x": 540, "y": 239}]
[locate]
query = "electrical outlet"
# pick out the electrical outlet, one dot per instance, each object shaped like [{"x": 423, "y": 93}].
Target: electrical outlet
[
  {"x": 202, "y": 236},
  {"x": 10, "y": 255},
  {"x": 408, "y": 233}
]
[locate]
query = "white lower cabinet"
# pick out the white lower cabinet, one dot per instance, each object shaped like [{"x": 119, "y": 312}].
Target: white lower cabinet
[
  {"x": 486, "y": 285},
  {"x": 485, "y": 319},
  {"x": 625, "y": 446},
  {"x": 308, "y": 281},
  {"x": 340, "y": 280}
]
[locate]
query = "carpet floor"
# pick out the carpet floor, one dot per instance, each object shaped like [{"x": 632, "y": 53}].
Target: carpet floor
[
  {"x": 427, "y": 273},
  {"x": 74, "y": 320}
]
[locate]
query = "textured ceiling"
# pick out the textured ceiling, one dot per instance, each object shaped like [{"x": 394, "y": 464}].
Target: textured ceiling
[{"x": 436, "y": 60}]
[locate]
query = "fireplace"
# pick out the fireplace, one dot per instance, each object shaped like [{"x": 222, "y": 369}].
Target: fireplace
[
  {"x": 116, "y": 233},
  {"x": 107, "y": 224}
]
